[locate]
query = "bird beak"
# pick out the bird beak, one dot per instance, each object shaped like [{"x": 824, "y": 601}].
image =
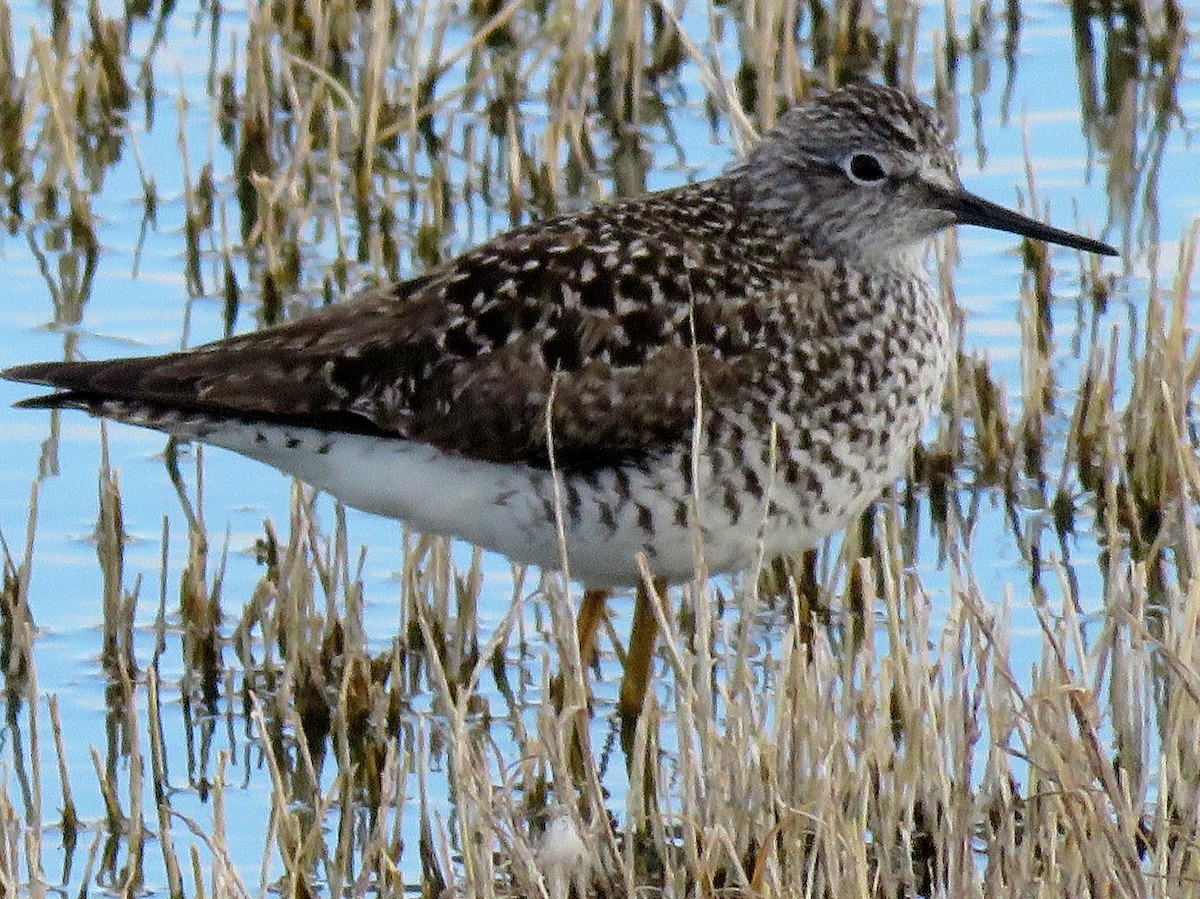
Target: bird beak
[{"x": 968, "y": 209}]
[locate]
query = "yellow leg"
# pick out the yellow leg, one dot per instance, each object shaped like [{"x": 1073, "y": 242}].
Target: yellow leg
[
  {"x": 640, "y": 654},
  {"x": 591, "y": 613}
]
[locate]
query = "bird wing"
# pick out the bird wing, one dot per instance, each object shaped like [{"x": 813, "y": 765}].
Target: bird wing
[{"x": 594, "y": 317}]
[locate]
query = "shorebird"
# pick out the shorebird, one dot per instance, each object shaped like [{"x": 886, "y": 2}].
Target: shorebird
[{"x": 740, "y": 364}]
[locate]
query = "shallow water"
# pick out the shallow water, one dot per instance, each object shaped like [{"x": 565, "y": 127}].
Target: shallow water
[{"x": 1024, "y": 112}]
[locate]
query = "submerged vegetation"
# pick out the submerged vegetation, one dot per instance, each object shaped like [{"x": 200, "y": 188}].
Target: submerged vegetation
[{"x": 862, "y": 720}]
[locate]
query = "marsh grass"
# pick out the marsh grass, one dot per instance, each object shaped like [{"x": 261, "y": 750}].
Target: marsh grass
[{"x": 830, "y": 728}]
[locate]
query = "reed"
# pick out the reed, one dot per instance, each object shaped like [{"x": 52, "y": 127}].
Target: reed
[{"x": 878, "y": 718}]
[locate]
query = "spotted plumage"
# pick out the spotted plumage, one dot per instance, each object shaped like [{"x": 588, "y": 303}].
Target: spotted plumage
[{"x": 749, "y": 358}]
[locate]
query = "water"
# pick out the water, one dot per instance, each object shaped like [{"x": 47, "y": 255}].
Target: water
[{"x": 1025, "y": 112}]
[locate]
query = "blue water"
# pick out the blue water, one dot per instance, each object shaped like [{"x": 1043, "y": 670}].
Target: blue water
[{"x": 150, "y": 312}]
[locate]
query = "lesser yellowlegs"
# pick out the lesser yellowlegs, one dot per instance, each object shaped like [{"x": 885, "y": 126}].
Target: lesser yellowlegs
[{"x": 748, "y": 359}]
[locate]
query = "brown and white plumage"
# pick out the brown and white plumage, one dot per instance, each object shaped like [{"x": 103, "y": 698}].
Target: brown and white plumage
[{"x": 791, "y": 290}]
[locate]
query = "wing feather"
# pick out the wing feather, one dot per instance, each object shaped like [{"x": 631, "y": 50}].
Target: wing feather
[{"x": 465, "y": 357}]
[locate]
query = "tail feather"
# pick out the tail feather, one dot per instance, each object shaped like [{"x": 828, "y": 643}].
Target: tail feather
[
  {"x": 151, "y": 392},
  {"x": 77, "y": 385}
]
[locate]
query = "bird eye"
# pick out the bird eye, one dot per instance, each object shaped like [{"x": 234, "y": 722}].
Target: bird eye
[{"x": 864, "y": 168}]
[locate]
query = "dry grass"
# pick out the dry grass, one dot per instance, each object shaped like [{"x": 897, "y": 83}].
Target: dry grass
[{"x": 853, "y": 731}]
